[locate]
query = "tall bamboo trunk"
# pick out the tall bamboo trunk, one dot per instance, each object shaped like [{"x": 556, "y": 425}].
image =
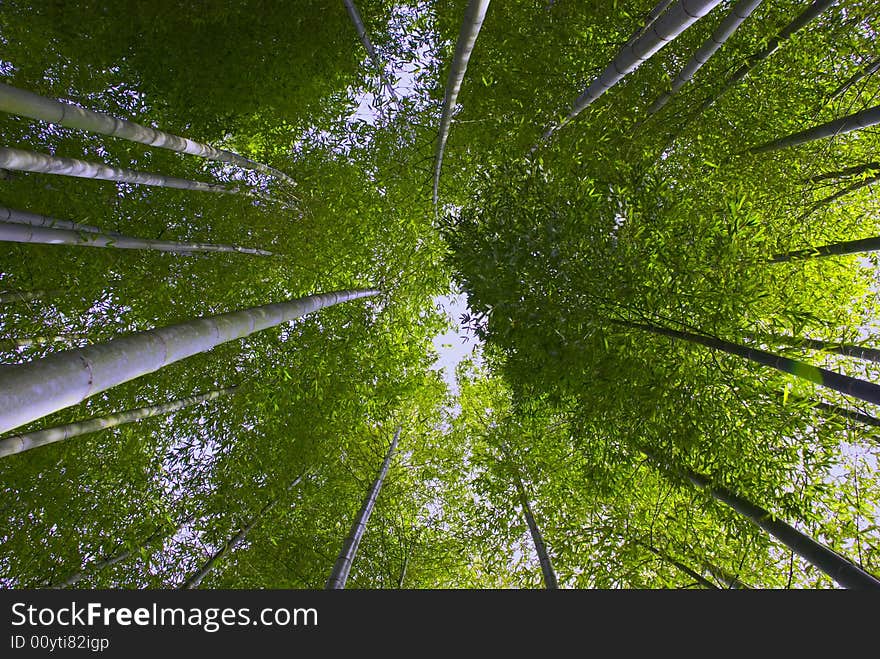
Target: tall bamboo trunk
[
  {"x": 30, "y": 161},
  {"x": 28, "y": 104},
  {"x": 732, "y": 581},
  {"x": 550, "y": 580},
  {"x": 852, "y": 187},
  {"x": 740, "y": 12},
  {"x": 867, "y": 391},
  {"x": 23, "y": 233},
  {"x": 864, "y": 119},
  {"x": 839, "y": 568},
  {"x": 117, "y": 557},
  {"x": 870, "y": 69},
  {"x": 850, "y": 415},
  {"x": 467, "y": 37},
  {"x": 21, "y": 443},
  {"x": 693, "y": 574},
  {"x": 361, "y": 29},
  {"x": 650, "y": 18},
  {"x": 12, "y": 216},
  {"x": 342, "y": 567},
  {"x": 33, "y": 390},
  {"x": 194, "y": 580},
  {"x": 675, "y": 21},
  {"x": 24, "y": 296},
  {"x": 846, "y": 172},
  {"x": 845, "y": 349},
  {"x": 834, "y": 249},
  {"x": 803, "y": 19}
]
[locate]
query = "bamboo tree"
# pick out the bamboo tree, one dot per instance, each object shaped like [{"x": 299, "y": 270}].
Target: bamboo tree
[
  {"x": 850, "y": 415},
  {"x": 731, "y": 580},
  {"x": 802, "y": 20},
  {"x": 839, "y": 568},
  {"x": 845, "y": 349},
  {"x": 550, "y": 580},
  {"x": 24, "y": 296},
  {"x": 342, "y": 567},
  {"x": 194, "y": 580},
  {"x": 22, "y": 233},
  {"x": 28, "y": 104},
  {"x": 846, "y": 172},
  {"x": 361, "y": 29},
  {"x": 21, "y": 443},
  {"x": 864, "y": 119},
  {"x": 118, "y": 557},
  {"x": 30, "y": 161},
  {"x": 740, "y": 12},
  {"x": 699, "y": 578},
  {"x": 12, "y": 216},
  {"x": 834, "y": 249},
  {"x": 852, "y": 187},
  {"x": 675, "y": 21},
  {"x": 33, "y": 390},
  {"x": 650, "y": 18},
  {"x": 467, "y": 37},
  {"x": 355, "y": 16},
  {"x": 867, "y": 391},
  {"x": 870, "y": 69}
]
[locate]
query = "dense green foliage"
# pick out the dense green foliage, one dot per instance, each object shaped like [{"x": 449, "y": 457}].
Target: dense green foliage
[{"x": 617, "y": 220}]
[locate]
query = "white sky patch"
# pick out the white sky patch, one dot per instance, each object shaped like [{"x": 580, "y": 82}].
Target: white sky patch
[{"x": 455, "y": 345}]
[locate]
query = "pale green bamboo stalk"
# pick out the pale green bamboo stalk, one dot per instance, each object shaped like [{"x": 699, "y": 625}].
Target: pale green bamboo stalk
[
  {"x": 33, "y": 390},
  {"x": 361, "y": 30},
  {"x": 740, "y": 12},
  {"x": 117, "y": 557},
  {"x": 25, "y": 442},
  {"x": 661, "y": 32},
  {"x": 194, "y": 580},
  {"x": 12, "y": 216},
  {"x": 23, "y": 296},
  {"x": 859, "y": 120},
  {"x": 28, "y": 104},
  {"x": 339, "y": 575},
  {"x": 467, "y": 37},
  {"x": 30, "y": 161},
  {"x": 19, "y": 233}
]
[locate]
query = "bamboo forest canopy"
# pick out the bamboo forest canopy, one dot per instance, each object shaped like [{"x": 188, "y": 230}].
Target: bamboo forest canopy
[{"x": 663, "y": 218}]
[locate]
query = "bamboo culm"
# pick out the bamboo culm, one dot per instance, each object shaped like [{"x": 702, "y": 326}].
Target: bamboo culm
[
  {"x": 859, "y": 120},
  {"x": 867, "y": 391},
  {"x": 33, "y": 390},
  {"x": 839, "y": 568},
  {"x": 467, "y": 37},
  {"x": 23, "y": 296},
  {"x": 12, "y": 216},
  {"x": 550, "y": 580},
  {"x": 21, "y": 443},
  {"x": 740, "y": 12},
  {"x": 342, "y": 567},
  {"x": 117, "y": 557},
  {"x": 834, "y": 249},
  {"x": 27, "y": 104},
  {"x": 846, "y": 172},
  {"x": 845, "y": 349},
  {"x": 664, "y": 30},
  {"x": 797, "y": 24},
  {"x": 30, "y": 161},
  {"x": 194, "y": 580},
  {"x": 22, "y": 233},
  {"x": 850, "y": 415}
]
